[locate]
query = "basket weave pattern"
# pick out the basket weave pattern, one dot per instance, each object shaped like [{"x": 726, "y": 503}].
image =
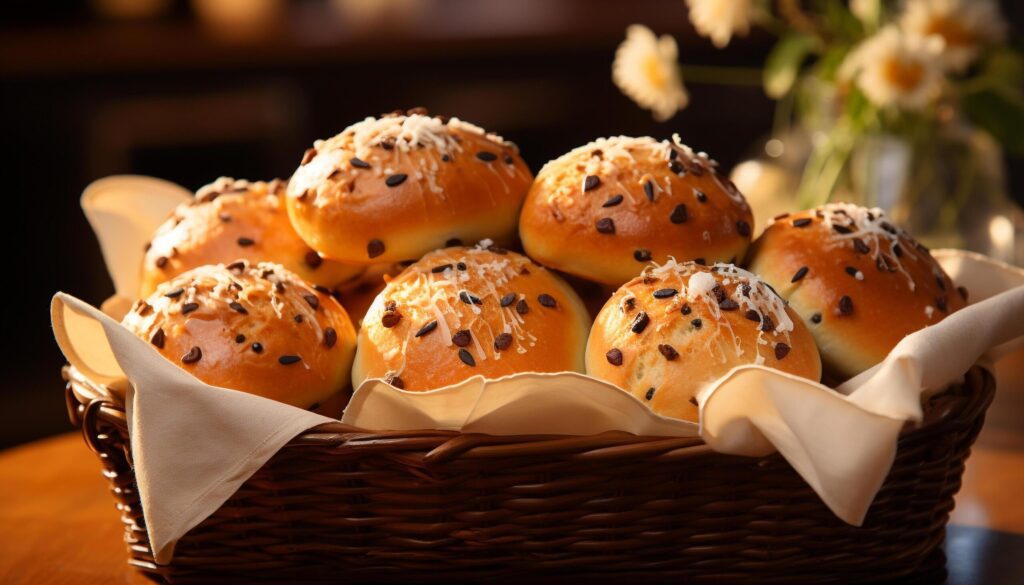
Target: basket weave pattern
[{"x": 338, "y": 504}]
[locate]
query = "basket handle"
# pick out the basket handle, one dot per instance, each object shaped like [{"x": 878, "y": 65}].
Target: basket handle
[{"x": 90, "y": 419}]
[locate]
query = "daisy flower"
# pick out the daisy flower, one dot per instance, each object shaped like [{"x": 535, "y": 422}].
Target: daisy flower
[
  {"x": 719, "y": 20},
  {"x": 894, "y": 69},
  {"x": 964, "y": 25},
  {"x": 645, "y": 69}
]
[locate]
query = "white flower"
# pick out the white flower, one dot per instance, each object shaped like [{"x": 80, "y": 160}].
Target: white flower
[
  {"x": 964, "y": 25},
  {"x": 645, "y": 69},
  {"x": 892, "y": 68},
  {"x": 720, "y": 19}
]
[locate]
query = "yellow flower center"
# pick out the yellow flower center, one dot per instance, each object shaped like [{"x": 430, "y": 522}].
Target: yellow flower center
[
  {"x": 653, "y": 72},
  {"x": 954, "y": 33},
  {"x": 905, "y": 75}
]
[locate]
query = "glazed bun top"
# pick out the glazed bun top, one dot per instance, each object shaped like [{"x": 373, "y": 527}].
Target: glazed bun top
[
  {"x": 859, "y": 282},
  {"x": 255, "y": 328},
  {"x": 604, "y": 210},
  {"x": 665, "y": 335},
  {"x": 392, "y": 188},
  {"x": 230, "y": 220},
  {"x": 461, "y": 312}
]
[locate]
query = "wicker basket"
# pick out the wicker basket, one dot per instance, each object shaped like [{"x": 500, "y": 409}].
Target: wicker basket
[{"x": 338, "y": 504}]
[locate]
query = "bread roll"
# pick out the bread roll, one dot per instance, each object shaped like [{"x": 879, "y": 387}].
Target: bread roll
[
  {"x": 667, "y": 334},
  {"x": 606, "y": 209},
  {"x": 462, "y": 312},
  {"x": 229, "y": 220},
  {"x": 393, "y": 188},
  {"x": 859, "y": 282},
  {"x": 255, "y": 328}
]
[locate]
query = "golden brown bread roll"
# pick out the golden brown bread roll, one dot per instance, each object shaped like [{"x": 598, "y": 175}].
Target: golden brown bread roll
[
  {"x": 229, "y": 220},
  {"x": 461, "y": 312},
  {"x": 859, "y": 282},
  {"x": 255, "y": 328},
  {"x": 665, "y": 335},
  {"x": 393, "y": 188},
  {"x": 604, "y": 210}
]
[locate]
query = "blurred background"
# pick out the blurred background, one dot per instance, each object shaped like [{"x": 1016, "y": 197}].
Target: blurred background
[{"x": 192, "y": 90}]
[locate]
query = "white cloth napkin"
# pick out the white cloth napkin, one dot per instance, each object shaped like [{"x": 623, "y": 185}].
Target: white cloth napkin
[{"x": 193, "y": 445}]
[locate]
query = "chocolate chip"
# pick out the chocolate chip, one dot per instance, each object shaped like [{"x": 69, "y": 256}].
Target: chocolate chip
[
  {"x": 650, "y": 394},
  {"x": 298, "y": 318},
  {"x": 486, "y": 156},
  {"x": 612, "y": 201},
  {"x": 358, "y": 163},
  {"x": 700, "y": 261},
  {"x": 446, "y": 157},
  {"x": 161, "y": 261},
  {"x": 287, "y": 360},
  {"x": 307, "y": 156},
  {"x": 426, "y": 329},
  {"x": 642, "y": 255},
  {"x": 462, "y": 338},
  {"x": 940, "y": 282},
  {"x": 816, "y": 318},
  {"x": 743, "y": 228},
  {"x": 845, "y": 305},
  {"x": 802, "y": 222},
  {"x": 330, "y": 337},
  {"x": 503, "y": 341},
  {"x": 781, "y": 350},
  {"x": 614, "y": 356},
  {"x": 842, "y": 229},
  {"x": 700, "y": 195},
  {"x": 753, "y": 315},
  {"x": 194, "y": 355},
  {"x": 158, "y": 338},
  {"x": 237, "y": 306},
  {"x": 237, "y": 267},
  {"x": 665, "y": 293},
  {"x": 188, "y": 308},
  {"x": 174, "y": 293},
  {"x": 508, "y": 159},
  {"x": 649, "y": 190},
  {"x": 802, "y": 272},
  {"x": 640, "y": 322},
  {"x": 941, "y": 304},
  {"x": 246, "y": 242},
  {"x": 508, "y": 299},
  {"x": 677, "y": 168},
  {"x": 390, "y": 318},
  {"x": 767, "y": 325},
  {"x": 396, "y": 179},
  {"x": 860, "y": 246},
  {"x": 312, "y": 300},
  {"x": 313, "y": 259},
  {"x": 522, "y": 308},
  {"x": 466, "y": 357},
  {"x": 686, "y": 310},
  {"x": 679, "y": 214},
  {"x": 852, "y": 271},
  {"x": 697, "y": 323},
  {"x": 668, "y": 351},
  {"x": 239, "y": 338},
  {"x": 257, "y": 347},
  {"x": 547, "y": 300},
  {"x": 374, "y": 248},
  {"x": 461, "y": 266},
  {"x": 605, "y": 225},
  {"x": 452, "y": 242},
  {"x": 469, "y": 299},
  {"x": 897, "y": 250},
  {"x": 728, "y": 304},
  {"x": 591, "y": 182}
]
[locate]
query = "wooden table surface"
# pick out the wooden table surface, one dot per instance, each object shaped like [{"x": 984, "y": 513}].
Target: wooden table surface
[{"x": 58, "y": 523}]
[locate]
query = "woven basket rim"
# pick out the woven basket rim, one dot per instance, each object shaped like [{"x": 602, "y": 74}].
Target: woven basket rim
[{"x": 110, "y": 404}]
